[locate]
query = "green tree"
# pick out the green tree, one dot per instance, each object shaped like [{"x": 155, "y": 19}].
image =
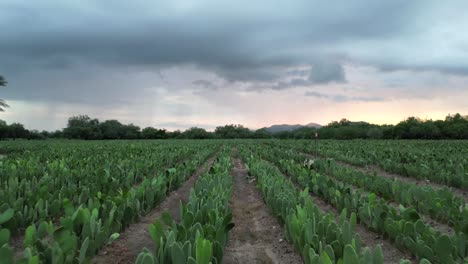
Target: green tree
[
  {"x": 35, "y": 134},
  {"x": 456, "y": 126},
  {"x": 387, "y": 131},
  {"x": 175, "y": 134},
  {"x": 153, "y": 133},
  {"x": 3, "y": 129},
  {"x": 375, "y": 133},
  {"x": 112, "y": 129},
  {"x": 3, "y": 104},
  {"x": 82, "y": 127},
  {"x": 232, "y": 131},
  {"x": 17, "y": 130},
  {"x": 262, "y": 133},
  {"x": 304, "y": 133},
  {"x": 196, "y": 133},
  {"x": 131, "y": 131},
  {"x": 56, "y": 134}
]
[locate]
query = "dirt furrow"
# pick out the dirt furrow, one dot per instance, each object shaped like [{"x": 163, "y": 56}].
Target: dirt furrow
[
  {"x": 257, "y": 237},
  {"x": 131, "y": 242}
]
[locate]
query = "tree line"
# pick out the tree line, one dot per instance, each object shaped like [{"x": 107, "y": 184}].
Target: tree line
[
  {"x": 452, "y": 127},
  {"x": 84, "y": 127},
  {"x": 87, "y": 128}
]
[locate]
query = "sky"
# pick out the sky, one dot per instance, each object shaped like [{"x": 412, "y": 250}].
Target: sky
[{"x": 178, "y": 64}]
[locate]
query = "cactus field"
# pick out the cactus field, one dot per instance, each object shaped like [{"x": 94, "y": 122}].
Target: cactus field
[{"x": 233, "y": 201}]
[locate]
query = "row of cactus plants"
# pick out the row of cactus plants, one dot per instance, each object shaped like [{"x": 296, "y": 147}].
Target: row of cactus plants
[
  {"x": 315, "y": 234},
  {"x": 443, "y": 161},
  {"x": 201, "y": 234},
  {"x": 61, "y": 175},
  {"x": 403, "y": 226},
  {"x": 440, "y": 204},
  {"x": 83, "y": 229}
]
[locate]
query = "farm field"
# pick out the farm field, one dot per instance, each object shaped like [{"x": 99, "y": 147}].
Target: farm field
[{"x": 233, "y": 201}]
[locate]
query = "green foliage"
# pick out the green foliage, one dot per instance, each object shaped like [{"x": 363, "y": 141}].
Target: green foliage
[
  {"x": 201, "y": 234},
  {"x": 4, "y": 236},
  {"x": 232, "y": 131},
  {"x": 73, "y": 197},
  {"x": 453, "y": 127},
  {"x": 403, "y": 225},
  {"x": 437, "y": 161},
  {"x": 6, "y": 255},
  {"x": 312, "y": 232},
  {"x": 196, "y": 133},
  {"x": 6, "y": 215},
  {"x": 153, "y": 133},
  {"x": 84, "y": 127}
]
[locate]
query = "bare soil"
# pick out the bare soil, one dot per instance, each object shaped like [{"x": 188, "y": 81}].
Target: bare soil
[
  {"x": 441, "y": 227},
  {"x": 136, "y": 237},
  {"x": 16, "y": 243},
  {"x": 257, "y": 237}
]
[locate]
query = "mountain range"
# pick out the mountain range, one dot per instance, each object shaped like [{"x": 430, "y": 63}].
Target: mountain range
[{"x": 286, "y": 127}]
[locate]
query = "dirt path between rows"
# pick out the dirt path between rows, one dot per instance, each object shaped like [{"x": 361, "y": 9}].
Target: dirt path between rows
[
  {"x": 369, "y": 238},
  {"x": 132, "y": 241},
  {"x": 257, "y": 237}
]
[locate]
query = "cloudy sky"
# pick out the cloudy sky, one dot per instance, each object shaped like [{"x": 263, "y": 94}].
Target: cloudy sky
[{"x": 177, "y": 64}]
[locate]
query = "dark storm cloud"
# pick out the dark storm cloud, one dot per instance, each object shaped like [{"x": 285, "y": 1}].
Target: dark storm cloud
[
  {"x": 344, "y": 98},
  {"x": 241, "y": 43},
  {"x": 205, "y": 84},
  {"x": 320, "y": 73},
  {"x": 327, "y": 72},
  {"x": 253, "y": 42}
]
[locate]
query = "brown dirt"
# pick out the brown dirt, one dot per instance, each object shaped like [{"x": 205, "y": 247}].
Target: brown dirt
[
  {"x": 257, "y": 237},
  {"x": 441, "y": 227},
  {"x": 16, "y": 243},
  {"x": 132, "y": 241}
]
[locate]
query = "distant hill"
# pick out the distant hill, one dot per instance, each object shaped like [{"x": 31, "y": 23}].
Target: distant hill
[{"x": 285, "y": 127}]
